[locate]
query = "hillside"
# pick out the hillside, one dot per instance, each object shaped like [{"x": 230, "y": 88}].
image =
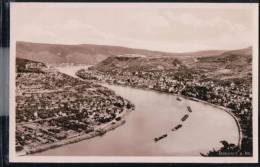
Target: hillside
[
  {"x": 227, "y": 63},
  {"x": 224, "y": 80},
  {"x": 132, "y": 64},
  {"x": 24, "y": 65},
  {"x": 230, "y": 64},
  {"x": 88, "y": 53}
]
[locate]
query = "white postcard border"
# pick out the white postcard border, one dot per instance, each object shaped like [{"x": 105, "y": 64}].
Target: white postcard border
[{"x": 142, "y": 159}]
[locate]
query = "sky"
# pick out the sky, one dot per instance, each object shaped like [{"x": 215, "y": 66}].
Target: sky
[{"x": 162, "y": 27}]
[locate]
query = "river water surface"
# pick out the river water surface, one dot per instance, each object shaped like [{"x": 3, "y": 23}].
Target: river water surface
[{"x": 156, "y": 114}]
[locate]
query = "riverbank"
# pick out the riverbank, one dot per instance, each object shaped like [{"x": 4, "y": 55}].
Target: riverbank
[
  {"x": 99, "y": 131},
  {"x": 47, "y": 118},
  {"x": 157, "y": 114},
  {"x": 106, "y": 146},
  {"x": 227, "y": 110}
]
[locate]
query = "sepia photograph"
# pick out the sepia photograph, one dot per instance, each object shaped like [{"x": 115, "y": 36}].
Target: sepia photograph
[{"x": 133, "y": 82}]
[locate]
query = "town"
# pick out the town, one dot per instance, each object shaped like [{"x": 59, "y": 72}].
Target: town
[
  {"x": 234, "y": 94},
  {"x": 53, "y": 109}
]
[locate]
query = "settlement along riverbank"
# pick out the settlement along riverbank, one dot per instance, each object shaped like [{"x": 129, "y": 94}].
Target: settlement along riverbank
[
  {"x": 47, "y": 118},
  {"x": 101, "y": 130},
  {"x": 155, "y": 114}
]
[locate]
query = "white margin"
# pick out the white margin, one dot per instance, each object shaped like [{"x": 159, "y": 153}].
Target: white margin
[{"x": 131, "y": 159}]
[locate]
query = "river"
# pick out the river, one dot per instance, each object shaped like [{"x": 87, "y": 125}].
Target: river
[{"x": 156, "y": 114}]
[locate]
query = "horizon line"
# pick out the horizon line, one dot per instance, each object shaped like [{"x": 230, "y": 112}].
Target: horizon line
[{"x": 181, "y": 52}]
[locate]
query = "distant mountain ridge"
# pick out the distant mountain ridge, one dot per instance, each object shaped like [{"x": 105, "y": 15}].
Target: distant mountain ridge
[{"x": 89, "y": 53}]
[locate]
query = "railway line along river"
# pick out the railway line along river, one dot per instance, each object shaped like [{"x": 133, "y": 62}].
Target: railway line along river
[{"x": 156, "y": 114}]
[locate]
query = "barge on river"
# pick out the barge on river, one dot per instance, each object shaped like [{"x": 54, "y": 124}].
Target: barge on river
[
  {"x": 185, "y": 117},
  {"x": 178, "y": 98},
  {"x": 160, "y": 137},
  {"x": 177, "y": 127},
  {"x": 189, "y": 109}
]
